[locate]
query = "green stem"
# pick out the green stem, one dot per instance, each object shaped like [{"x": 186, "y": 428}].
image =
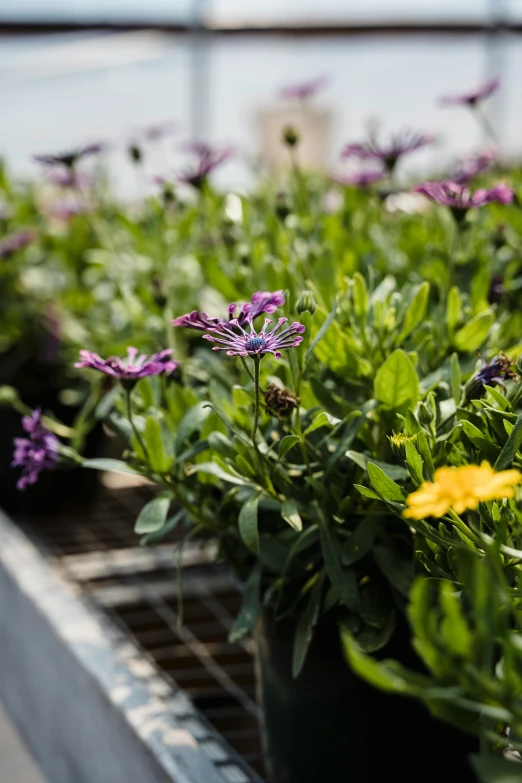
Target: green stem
[
  {"x": 464, "y": 528},
  {"x": 134, "y": 428},
  {"x": 257, "y": 362}
]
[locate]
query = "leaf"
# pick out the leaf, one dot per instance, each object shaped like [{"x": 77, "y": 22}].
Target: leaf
[
  {"x": 396, "y": 382},
  {"x": 360, "y": 541},
  {"x": 115, "y": 465},
  {"x": 191, "y": 423},
  {"x": 216, "y": 470},
  {"x": 360, "y": 295},
  {"x": 473, "y": 334},
  {"x": 455, "y": 378},
  {"x": 223, "y": 445},
  {"x": 398, "y": 571},
  {"x": 385, "y": 487},
  {"x": 496, "y": 769},
  {"x": 324, "y": 419},
  {"x": 291, "y": 515},
  {"x": 250, "y": 606},
  {"x": 368, "y": 493},
  {"x": 343, "y": 579},
  {"x": 415, "y": 312},
  {"x": 159, "y": 460},
  {"x": 425, "y": 452},
  {"x": 453, "y": 308},
  {"x": 512, "y": 445},
  {"x": 393, "y": 471},
  {"x": 287, "y": 443},
  {"x": 320, "y": 334},
  {"x": 305, "y": 627},
  {"x": 414, "y": 462},
  {"x": 480, "y": 440},
  {"x": 153, "y": 516},
  {"x": 248, "y": 523},
  {"x": 168, "y": 527}
]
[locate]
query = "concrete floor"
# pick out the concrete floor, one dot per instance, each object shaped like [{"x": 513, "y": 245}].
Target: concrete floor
[{"x": 16, "y": 764}]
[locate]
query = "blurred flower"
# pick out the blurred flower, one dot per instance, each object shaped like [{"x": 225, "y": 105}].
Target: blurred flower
[
  {"x": 131, "y": 369},
  {"x": 496, "y": 289},
  {"x": 15, "y": 242},
  {"x": 233, "y": 337},
  {"x": 496, "y": 371},
  {"x": 65, "y": 209},
  {"x": 472, "y": 97},
  {"x": 37, "y": 452},
  {"x": 388, "y": 154},
  {"x": 280, "y": 400},
  {"x": 207, "y": 159},
  {"x": 67, "y": 177},
  {"x": 304, "y": 90},
  {"x": 409, "y": 203},
  {"x": 460, "y": 489},
  {"x": 160, "y": 129},
  {"x": 358, "y": 179},
  {"x": 70, "y": 158},
  {"x": 262, "y": 302},
  {"x": 471, "y": 167},
  {"x": 459, "y": 198}
]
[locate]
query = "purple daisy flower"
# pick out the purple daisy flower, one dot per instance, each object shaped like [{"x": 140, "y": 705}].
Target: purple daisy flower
[
  {"x": 473, "y": 166},
  {"x": 358, "y": 179},
  {"x": 131, "y": 369},
  {"x": 67, "y": 178},
  {"x": 304, "y": 90},
  {"x": 498, "y": 370},
  {"x": 472, "y": 97},
  {"x": 388, "y": 154},
  {"x": 207, "y": 159},
  {"x": 233, "y": 339},
  {"x": 69, "y": 158},
  {"x": 40, "y": 451},
  {"x": 262, "y": 302},
  {"x": 16, "y": 242},
  {"x": 459, "y": 198}
]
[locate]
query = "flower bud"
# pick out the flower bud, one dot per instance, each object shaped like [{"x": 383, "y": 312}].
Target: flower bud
[
  {"x": 426, "y": 413},
  {"x": 306, "y": 302},
  {"x": 290, "y": 136},
  {"x": 280, "y": 401},
  {"x": 282, "y": 207},
  {"x": 398, "y": 443},
  {"x": 135, "y": 153}
]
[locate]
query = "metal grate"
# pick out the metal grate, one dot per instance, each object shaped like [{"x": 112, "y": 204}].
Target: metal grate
[{"x": 137, "y": 588}]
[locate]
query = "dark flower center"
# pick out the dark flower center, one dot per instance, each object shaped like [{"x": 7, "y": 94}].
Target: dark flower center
[{"x": 255, "y": 344}]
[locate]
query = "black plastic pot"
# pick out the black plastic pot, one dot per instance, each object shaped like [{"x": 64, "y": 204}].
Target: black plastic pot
[{"x": 329, "y": 726}]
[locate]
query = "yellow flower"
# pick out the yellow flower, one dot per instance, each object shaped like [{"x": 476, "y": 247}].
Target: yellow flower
[{"x": 459, "y": 489}]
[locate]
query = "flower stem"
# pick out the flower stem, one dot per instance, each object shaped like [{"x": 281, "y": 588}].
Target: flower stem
[
  {"x": 257, "y": 362},
  {"x": 134, "y": 428}
]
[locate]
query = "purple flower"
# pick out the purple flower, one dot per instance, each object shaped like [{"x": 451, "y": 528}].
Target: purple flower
[
  {"x": 66, "y": 208},
  {"x": 67, "y": 178},
  {"x": 262, "y": 302},
  {"x": 160, "y": 129},
  {"x": 16, "y": 242},
  {"x": 358, "y": 179},
  {"x": 473, "y": 166},
  {"x": 207, "y": 159},
  {"x": 36, "y": 453},
  {"x": 304, "y": 90},
  {"x": 197, "y": 320},
  {"x": 233, "y": 339},
  {"x": 472, "y": 97},
  {"x": 69, "y": 158},
  {"x": 459, "y": 198},
  {"x": 388, "y": 154},
  {"x": 496, "y": 371},
  {"x": 131, "y": 369}
]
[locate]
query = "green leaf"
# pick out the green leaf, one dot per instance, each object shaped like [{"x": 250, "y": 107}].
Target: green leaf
[
  {"x": 512, "y": 445},
  {"x": 216, "y": 470},
  {"x": 159, "y": 459},
  {"x": 250, "y": 606},
  {"x": 425, "y": 452},
  {"x": 496, "y": 769},
  {"x": 324, "y": 419},
  {"x": 360, "y": 296},
  {"x": 398, "y": 571},
  {"x": 168, "y": 527},
  {"x": 287, "y": 443},
  {"x": 480, "y": 440},
  {"x": 291, "y": 515},
  {"x": 320, "y": 334},
  {"x": 368, "y": 493},
  {"x": 414, "y": 462},
  {"x": 385, "y": 487},
  {"x": 453, "y": 308},
  {"x": 473, "y": 334},
  {"x": 361, "y": 459},
  {"x": 415, "y": 312},
  {"x": 191, "y": 423},
  {"x": 116, "y": 465},
  {"x": 153, "y": 516},
  {"x": 248, "y": 523},
  {"x": 455, "y": 378},
  {"x": 305, "y": 627},
  {"x": 223, "y": 445},
  {"x": 396, "y": 382},
  {"x": 359, "y": 543},
  {"x": 343, "y": 579}
]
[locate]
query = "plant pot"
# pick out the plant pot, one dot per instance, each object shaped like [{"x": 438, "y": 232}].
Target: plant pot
[{"x": 328, "y": 725}]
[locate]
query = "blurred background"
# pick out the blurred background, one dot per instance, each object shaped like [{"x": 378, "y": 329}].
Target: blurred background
[{"x": 83, "y": 71}]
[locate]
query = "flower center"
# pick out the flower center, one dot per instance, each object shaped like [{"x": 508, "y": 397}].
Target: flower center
[{"x": 255, "y": 344}]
